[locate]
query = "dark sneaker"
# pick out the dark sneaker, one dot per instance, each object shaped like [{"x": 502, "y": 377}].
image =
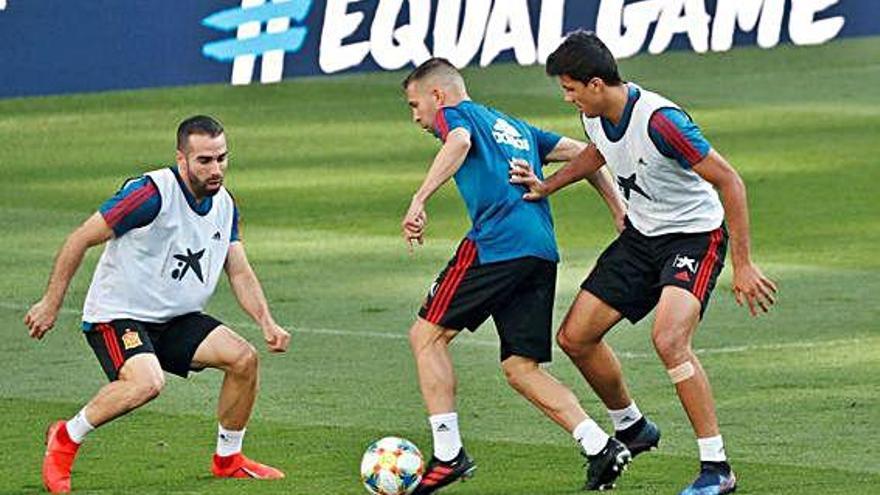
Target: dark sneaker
[
  {"x": 716, "y": 478},
  {"x": 442, "y": 473},
  {"x": 641, "y": 436},
  {"x": 604, "y": 468}
]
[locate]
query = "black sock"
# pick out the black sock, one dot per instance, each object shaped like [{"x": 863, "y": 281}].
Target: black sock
[{"x": 720, "y": 466}]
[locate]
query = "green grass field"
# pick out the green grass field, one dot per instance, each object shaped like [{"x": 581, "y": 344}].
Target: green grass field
[{"x": 323, "y": 170}]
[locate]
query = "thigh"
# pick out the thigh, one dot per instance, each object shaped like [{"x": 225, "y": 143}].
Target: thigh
[
  {"x": 588, "y": 319},
  {"x": 115, "y": 342},
  {"x": 693, "y": 263},
  {"x": 178, "y": 340},
  {"x": 626, "y": 277},
  {"x": 221, "y": 348},
  {"x": 524, "y": 317}
]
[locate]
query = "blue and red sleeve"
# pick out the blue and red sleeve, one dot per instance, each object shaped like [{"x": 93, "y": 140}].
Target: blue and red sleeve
[
  {"x": 234, "y": 235},
  {"x": 447, "y": 120},
  {"x": 676, "y": 136},
  {"x": 133, "y": 206}
]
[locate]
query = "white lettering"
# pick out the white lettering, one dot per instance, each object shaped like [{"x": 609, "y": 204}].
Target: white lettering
[
  {"x": 694, "y": 21},
  {"x": 515, "y": 15},
  {"x": 2, "y": 4},
  {"x": 634, "y": 19},
  {"x": 243, "y": 65},
  {"x": 550, "y": 28},
  {"x": 745, "y": 14},
  {"x": 272, "y": 66},
  {"x": 460, "y": 47},
  {"x": 804, "y": 29},
  {"x": 392, "y": 48},
  {"x": 338, "y": 25}
]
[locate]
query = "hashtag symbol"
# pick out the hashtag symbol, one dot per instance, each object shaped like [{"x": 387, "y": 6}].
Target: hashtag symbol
[{"x": 251, "y": 42}]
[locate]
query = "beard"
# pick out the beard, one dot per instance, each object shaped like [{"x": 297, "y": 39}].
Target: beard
[{"x": 208, "y": 187}]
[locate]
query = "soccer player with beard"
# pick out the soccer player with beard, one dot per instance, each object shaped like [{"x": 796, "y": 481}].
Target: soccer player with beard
[{"x": 170, "y": 234}]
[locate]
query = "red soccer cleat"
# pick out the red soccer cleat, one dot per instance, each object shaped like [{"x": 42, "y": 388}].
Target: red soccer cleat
[
  {"x": 239, "y": 466},
  {"x": 60, "y": 454}
]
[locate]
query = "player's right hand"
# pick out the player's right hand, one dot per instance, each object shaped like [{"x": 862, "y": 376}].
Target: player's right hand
[
  {"x": 41, "y": 318},
  {"x": 413, "y": 224},
  {"x": 521, "y": 173}
]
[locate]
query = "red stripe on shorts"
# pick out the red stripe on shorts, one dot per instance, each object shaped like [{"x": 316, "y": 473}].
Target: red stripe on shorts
[
  {"x": 112, "y": 345},
  {"x": 707, "y": 265},
  {"x": 440, "y": 303}
]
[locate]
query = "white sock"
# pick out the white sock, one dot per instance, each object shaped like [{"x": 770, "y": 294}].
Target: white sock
[
  {"x": 590, "y": 436},
  {"x": 712, "y": 449},
  {"x": 78, "y": 426},
  {"x": 229, "y": 441},
  {"x": 447, "y": 439},
  {"x": 626, "y": 417}
]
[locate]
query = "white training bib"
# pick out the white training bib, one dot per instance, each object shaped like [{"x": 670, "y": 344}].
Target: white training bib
[
  {"x": 662, "y": 196},
  {"x": 167, "y": 268}
]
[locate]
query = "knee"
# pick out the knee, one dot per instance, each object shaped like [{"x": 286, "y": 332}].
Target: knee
[
  {"x": 246, "y": 360},
  {"x": 570, "y": 345},
  {"x": 145, "y": 389},
  {"x": 516, "y": 370},
  {"x": 672, "y": 346}
]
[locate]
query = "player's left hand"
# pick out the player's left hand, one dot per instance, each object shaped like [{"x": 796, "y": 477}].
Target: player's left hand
[
  {"x": 277, "y": 338},
  {"x": 751, "y": 286}
]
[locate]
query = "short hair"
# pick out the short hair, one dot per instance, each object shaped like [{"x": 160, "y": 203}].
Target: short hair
[
  {"x": 199, "y": 124},
  {"x": 583, "y": 56},
  {"x": 432, "y": 67}
]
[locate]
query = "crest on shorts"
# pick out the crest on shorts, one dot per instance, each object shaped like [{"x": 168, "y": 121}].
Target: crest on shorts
[{"x": 131, "y": 339}]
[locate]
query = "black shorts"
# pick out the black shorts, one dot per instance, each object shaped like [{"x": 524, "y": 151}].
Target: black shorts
[
  {"x": 631, "y": 273},
  {"x": 174, "y": 342},
  {"x": 518, "y": 295}
]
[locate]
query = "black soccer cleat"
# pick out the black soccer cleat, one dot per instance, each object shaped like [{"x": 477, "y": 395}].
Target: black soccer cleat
[
  {"x": 641, "y": 436},
  {"x": 604, "y": 468},
  {"x": 442, "y": 473}
]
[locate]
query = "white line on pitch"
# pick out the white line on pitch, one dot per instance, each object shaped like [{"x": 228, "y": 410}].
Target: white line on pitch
[{"x": 12, "y": 306}]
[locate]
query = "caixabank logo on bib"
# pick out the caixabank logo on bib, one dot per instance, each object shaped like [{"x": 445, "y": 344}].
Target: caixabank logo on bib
[{"x": 462, "y": 30}]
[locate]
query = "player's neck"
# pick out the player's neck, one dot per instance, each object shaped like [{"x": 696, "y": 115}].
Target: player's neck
[
  {"x": 454, "y": 99},
  {"x": 618, "y": 96},
  {"x": 185, "y": 179}
]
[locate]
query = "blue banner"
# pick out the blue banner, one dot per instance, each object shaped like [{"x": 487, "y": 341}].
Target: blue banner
[{"x": 58, "y": 46}]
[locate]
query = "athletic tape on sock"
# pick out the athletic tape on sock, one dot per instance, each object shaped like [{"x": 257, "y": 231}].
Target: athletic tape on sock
[{"x": 682, "y": 372}]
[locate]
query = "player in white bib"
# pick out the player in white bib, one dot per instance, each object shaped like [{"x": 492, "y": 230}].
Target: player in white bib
[
  {"x": 668, "y": 255},
  {"x": 170, "y": 234}
]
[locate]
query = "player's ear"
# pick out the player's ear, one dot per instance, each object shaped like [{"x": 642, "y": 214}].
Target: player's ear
[
  {"x": 180, "y": 158},
  {"x": 439, "y": 96}
]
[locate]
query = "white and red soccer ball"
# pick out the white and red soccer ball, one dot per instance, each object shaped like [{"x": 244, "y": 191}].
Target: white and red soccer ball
[{"x": 392, "y": 466}]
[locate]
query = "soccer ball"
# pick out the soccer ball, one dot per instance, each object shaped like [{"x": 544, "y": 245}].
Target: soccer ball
[{"x": 392, "y": 466}]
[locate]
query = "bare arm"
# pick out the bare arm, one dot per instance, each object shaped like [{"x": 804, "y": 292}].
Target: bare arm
[
  {"x": 42, "y": 315},
  {"x": 748, "y": 280},
  {"x": 584, "y": 161},
  {"x": 446, "y": 163},
  {"x": 249, "y": 294}
]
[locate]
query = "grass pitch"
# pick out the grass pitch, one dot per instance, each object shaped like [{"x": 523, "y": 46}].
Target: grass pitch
[{"x": 323, "y": 170}]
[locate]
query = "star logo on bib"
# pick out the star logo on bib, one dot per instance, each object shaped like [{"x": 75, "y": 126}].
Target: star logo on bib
[
  {"x": 628, "y": 185},
  {"x": 187, "y": 262}
]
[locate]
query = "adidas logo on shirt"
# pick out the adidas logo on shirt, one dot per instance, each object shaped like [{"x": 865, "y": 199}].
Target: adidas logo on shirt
[{"x": 504, "y": 133}]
